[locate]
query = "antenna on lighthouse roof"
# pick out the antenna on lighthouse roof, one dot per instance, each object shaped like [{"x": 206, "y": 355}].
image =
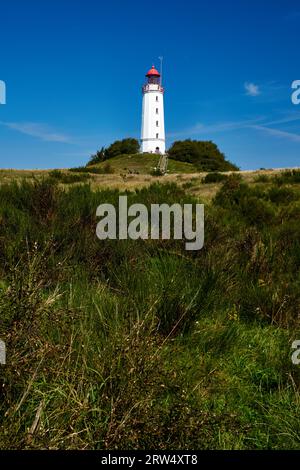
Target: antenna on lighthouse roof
[{"x": 161, "y": 69}]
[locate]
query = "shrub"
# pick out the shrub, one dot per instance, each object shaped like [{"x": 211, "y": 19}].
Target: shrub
[
  {"x": 230, "y": 191},
  {"x": 108, "y": 169},
  {"x": 57, "y": 174},
  {"x": 262, "y": 179},
  {"x": 288, "y": 177},
  {"x": 256, "y": 211},
  {"x": 213, "y": 178},
  {"x": 248, "y": 203},
  {"x": 188, "y": 184},
  {"x": 281, "y": 195},
  {"x": 204, "y": 154},
  {"x": 105, "y": 169},
  {"x": 156, "y": 172},
  {"x": 84, "y": 169},
  {"x": 98, "y": 157},
  {"x": 127, "y": 146},
  {"x": 66, "y": 178}
]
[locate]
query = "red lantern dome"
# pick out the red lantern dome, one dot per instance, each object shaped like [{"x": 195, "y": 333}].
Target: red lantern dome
[{"x": 153, "y": 72}]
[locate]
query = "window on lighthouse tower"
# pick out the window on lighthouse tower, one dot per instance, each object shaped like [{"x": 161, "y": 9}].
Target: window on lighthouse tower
[{"x": 156, "y": 110}]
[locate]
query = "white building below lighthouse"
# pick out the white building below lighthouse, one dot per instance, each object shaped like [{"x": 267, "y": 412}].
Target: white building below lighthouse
[{"x": 153, "y": 123}]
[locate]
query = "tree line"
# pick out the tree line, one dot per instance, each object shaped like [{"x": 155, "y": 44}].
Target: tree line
[{"x": 205, "y": 155}]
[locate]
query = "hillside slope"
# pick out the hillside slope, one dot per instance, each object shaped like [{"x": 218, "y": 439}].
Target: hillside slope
[{"x": 144, "y": 164}]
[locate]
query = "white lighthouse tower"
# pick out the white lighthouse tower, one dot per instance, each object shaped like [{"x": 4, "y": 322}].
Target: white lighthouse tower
[{"x": 153, "y": 123}]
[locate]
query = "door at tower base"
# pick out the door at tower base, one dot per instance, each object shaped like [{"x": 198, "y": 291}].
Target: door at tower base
[
  {"x": 153, "y": 125},
  {"x": 154, "y": 146}
]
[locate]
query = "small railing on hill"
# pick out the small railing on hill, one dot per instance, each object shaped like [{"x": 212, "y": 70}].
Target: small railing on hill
[{"x": 163, "y": 164}]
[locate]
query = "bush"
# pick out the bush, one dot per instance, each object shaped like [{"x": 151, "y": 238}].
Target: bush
[
  {"x": 231, "y": 188},
  {"x": 213, "y": 178},
  {"x": 247, "y": 202},
  {"x": 256, "y": 211},
  {"x": 127, "y": 146},
  {"x": 262, "y": 179},
  {"x": 281, "y": 195},
  {"x": 204, "y": 154},
  {"x": 108, "y": 169},
  {"x": 66, "y": 178},
  {"x": 57, "y": 174},
  {"x": 105, "y": 169},
  {"x": 84, "y": 169},
  {"x": 98, "y": 157},
  {"x": 288, "y": 177},
  {"x": 156, "y": 172}
]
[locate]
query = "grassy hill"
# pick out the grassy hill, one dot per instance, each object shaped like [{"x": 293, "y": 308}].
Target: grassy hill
[{"x": 144, "y": 164}]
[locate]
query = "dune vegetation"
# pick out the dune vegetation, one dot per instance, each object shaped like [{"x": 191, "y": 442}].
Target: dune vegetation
[{"x": 142, "y": 344}]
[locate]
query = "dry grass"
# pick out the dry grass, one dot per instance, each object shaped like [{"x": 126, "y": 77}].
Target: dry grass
[{"x": 125, "y": 181}]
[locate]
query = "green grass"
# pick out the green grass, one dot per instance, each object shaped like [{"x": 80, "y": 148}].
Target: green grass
[
  {"x": 141, "y": 344},
  {"x": 144, "y": 164},
  {"x": 103, "y": 169}
]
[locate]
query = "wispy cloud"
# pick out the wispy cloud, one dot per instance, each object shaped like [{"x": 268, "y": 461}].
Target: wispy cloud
[
  {"x": 252, "y": 89},
  {"x": 285, "y": 119},
  {"x": 278, "y": 133},
  {"x": 261, "y": 124},
  {"x": 226, "y": 126},
  {"x": 40, "y": 131}
]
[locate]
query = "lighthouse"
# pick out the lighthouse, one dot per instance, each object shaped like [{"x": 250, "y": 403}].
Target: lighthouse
[{"x": 153, "y": 124}]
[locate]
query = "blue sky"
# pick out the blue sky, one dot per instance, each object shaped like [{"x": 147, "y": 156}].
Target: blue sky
[{"x": 74, "y": 70}]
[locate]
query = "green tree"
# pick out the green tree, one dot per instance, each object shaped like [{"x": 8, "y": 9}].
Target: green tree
[
  {"x": 204, "y": 154},
  {"x": 127, "y": 146},
  {"x": 98, "y": 157}
]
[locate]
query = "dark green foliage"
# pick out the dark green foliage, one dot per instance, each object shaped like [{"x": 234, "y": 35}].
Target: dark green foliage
[
  {"x": 204, "y": 154},
  {"x": 127, "y": 146},
  {"x": 84, "y": 169},
  {"x": 249, "y": 203},
  {"x": 105, "y": 169},
  {"x": 156, "y": 172},
  {"x": 57, "y": 174},
  {"x": 66, "y": 178},
  {"x": 288, "y": 177},
  {"x": 282, "y": 195},
  {"x": 262, "y": 179},
  {"x": 213, "y": 178},
  {"x": 98, "y": 157}
]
